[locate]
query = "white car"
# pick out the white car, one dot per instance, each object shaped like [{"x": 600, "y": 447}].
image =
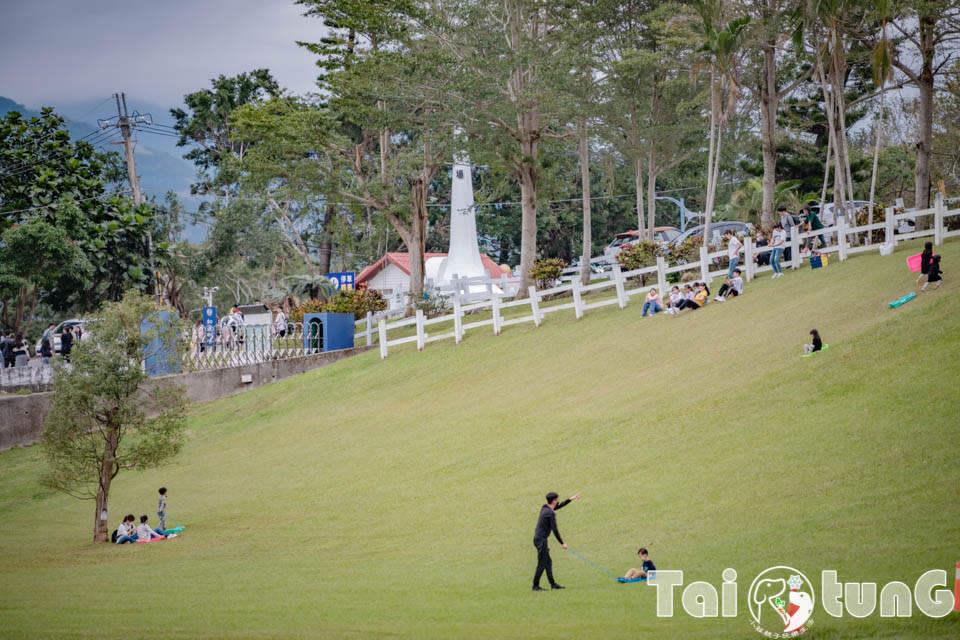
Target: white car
[{"x": 74, "y": 323}]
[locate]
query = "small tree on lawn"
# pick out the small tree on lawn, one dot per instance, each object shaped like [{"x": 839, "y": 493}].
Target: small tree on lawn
[{"x": 104, "y": 419}]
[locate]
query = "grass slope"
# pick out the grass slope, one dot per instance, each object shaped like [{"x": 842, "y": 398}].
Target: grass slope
[{"x": 397, "y": 498}]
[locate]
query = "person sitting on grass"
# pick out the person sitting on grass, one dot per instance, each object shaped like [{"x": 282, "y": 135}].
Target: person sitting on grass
[
  {"x": 144, "y": 532},
  {"x": 645, "y": 569},
  {"x": 933, "y": 274},
  {"x": 696, "y": 298},
  {"x": 817, "y": 344},
  {"x": 127, "y": 531},
  {"x": 652, "y": 303},
  {"x": 732, "y": 287},
  {"x": 675, "y": 299}
]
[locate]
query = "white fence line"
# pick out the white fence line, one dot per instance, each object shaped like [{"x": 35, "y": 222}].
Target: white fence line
[{"x": 835, "y": 240}]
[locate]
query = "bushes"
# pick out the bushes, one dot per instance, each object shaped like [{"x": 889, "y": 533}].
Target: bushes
[
  {"x": 639, "y": 256},
  {"x": 355, "y": 301},
  {"x": 547, "y": 272}
]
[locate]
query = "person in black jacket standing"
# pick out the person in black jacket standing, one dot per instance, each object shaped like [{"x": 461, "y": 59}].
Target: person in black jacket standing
[{"x": 547, "y": 522}]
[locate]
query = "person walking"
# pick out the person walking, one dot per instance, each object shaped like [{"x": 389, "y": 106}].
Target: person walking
[
  {"x": 21, "y": 351},
  {"x": 66, "y": 342},
  {"x": 547, "y": 523},
  {"x": 6, "y": 347},
  {"x": 46, "y": 348}
]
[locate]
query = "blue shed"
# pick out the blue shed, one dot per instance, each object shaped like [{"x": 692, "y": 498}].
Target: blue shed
[{"x": 328, "y": 331}]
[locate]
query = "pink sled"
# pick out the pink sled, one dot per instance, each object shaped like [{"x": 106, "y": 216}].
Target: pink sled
[{"x": 913, "y": 262}]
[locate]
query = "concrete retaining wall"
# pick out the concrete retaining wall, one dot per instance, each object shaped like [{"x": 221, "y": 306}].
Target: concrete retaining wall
[{"x": 21, "y": 417}]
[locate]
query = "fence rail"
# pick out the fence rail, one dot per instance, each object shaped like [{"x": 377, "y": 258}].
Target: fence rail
[{"x": 841, "y": 239}]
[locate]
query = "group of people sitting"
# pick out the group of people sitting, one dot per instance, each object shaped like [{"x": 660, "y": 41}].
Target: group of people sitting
[
  {"x": 692, "y": 296},
  {"x": 129, "y": 531}
]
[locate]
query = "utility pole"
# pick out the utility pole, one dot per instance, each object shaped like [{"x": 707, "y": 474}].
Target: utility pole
[{"x": 125, "y": 123}]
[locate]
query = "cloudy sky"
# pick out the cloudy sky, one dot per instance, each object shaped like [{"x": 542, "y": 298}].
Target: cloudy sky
[{"x": 71, "y": 50}]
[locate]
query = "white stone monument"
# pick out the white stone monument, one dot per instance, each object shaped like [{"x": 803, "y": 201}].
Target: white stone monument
[{"x": 463, "y": 257}]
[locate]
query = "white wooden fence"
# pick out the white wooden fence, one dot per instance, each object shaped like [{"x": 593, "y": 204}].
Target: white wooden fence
[{"x": 837, "y": 241}]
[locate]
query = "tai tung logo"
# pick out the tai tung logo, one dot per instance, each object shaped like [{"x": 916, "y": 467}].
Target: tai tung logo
[{"x": 781, "y": 601}]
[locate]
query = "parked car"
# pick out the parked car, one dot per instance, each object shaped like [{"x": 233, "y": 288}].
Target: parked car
[
  {"x": 662, "y": 235},
  {"x": 717, "y": 229},
  {"x": 58, "y": 331},
  {"x": 829, "y": 217}
]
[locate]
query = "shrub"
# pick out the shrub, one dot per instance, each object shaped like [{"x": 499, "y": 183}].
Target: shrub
[
  {"x": 356, "y": 301},
  {"x": 639, "y": 256},
  {"x": 547, "y": 272},
  {"x": 307, "y": 306}
]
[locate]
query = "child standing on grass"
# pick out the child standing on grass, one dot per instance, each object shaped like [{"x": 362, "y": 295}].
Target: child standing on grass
[
  {"x": 162, "y": 508},
  {"x": 933, "y": 273},
  {"x": 926, "y": 257},
  {"x": 817, "y": 343}
]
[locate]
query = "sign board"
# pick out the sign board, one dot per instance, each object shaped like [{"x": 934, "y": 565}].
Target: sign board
[
  {"x": 209, "y": 325},
  {"x": 342, "y": 281}
]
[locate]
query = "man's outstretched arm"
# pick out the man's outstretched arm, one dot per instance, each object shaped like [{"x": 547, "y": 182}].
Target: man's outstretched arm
[{"x": 560, "y": 505}]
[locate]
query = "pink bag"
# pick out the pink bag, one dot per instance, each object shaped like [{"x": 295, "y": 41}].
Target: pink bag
[{"x": 913, "y": 262}]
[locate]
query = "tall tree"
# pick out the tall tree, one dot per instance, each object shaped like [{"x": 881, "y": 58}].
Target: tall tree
[
  {"x": 206, "y": 125},
  {"x": 928, "y": 35},
  {"x": 721, "y": 50},
  {"x": 103, "y": 419}
]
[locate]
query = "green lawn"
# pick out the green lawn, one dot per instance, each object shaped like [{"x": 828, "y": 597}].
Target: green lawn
[{"x": 397, "y": 498}]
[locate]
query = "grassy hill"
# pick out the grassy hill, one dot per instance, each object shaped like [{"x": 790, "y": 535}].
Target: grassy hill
[{"x": 397, "y": 498}]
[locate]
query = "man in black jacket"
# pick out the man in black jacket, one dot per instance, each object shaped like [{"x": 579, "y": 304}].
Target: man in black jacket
[{"x": 546, "y": 523}]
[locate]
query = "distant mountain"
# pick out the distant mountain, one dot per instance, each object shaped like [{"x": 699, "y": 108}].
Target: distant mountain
[{"x": 160, "y": 165}]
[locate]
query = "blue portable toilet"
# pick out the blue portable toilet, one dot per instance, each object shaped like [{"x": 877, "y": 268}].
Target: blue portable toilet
[
  {"x": 160, "y": 357},
  {"x": 327, "y": 331}
]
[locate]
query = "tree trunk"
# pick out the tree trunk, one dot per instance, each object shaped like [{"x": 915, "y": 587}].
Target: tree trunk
[
  {"x": 826, "y": 170},
  {"x": 713, "y": 156},
  {"x": 101, "y": 524},
  {"x": 768, "y": 132},
  {"x": 326, "y": 240},
  {"x": 638, "y": 182},
  {"x": 921, "y": 174},
  {"x": 587, "y": 250},
  {"x": 418, "y": 237},
  {"x": 651, "y": 196},
  {"x": 528, "y": 224},
  {"x": 876, "y": 158}
]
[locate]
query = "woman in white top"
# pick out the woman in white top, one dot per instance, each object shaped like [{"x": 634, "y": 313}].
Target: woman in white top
[
  {"x": 777, "y": 241},
  {"x": 733, "y": 251},
  {"x": 280, "y": 323},
  {"x": 144, "y": 532}
]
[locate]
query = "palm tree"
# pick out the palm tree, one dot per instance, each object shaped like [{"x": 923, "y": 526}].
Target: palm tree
[
  {"x": 719, "y": 51},
  {"x": 882, "y": 63}
]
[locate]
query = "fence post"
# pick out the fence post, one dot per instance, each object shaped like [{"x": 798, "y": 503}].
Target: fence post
[
  {"x": 457, "y": 317},
  {"x": 661, "y": 276},
  {"x": 795, "y": 248},
  {"x": 382, "y": 334},
  {"x": 369, "y": 330},
  {"x": 534, "y": 305},
  {"x": 618, "y": 280},
  {"x": 842, "y": 237},
  {"x": 419, "y": 329},
  {"x": 577, "y": 299},
  {"x": 496, "y": 314},
  {"x": 704, "y": 265},
  {"x": 888, "y": 237},
  {"x": 748, "y": 257},
  {"x": 938, "y": 211}
]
